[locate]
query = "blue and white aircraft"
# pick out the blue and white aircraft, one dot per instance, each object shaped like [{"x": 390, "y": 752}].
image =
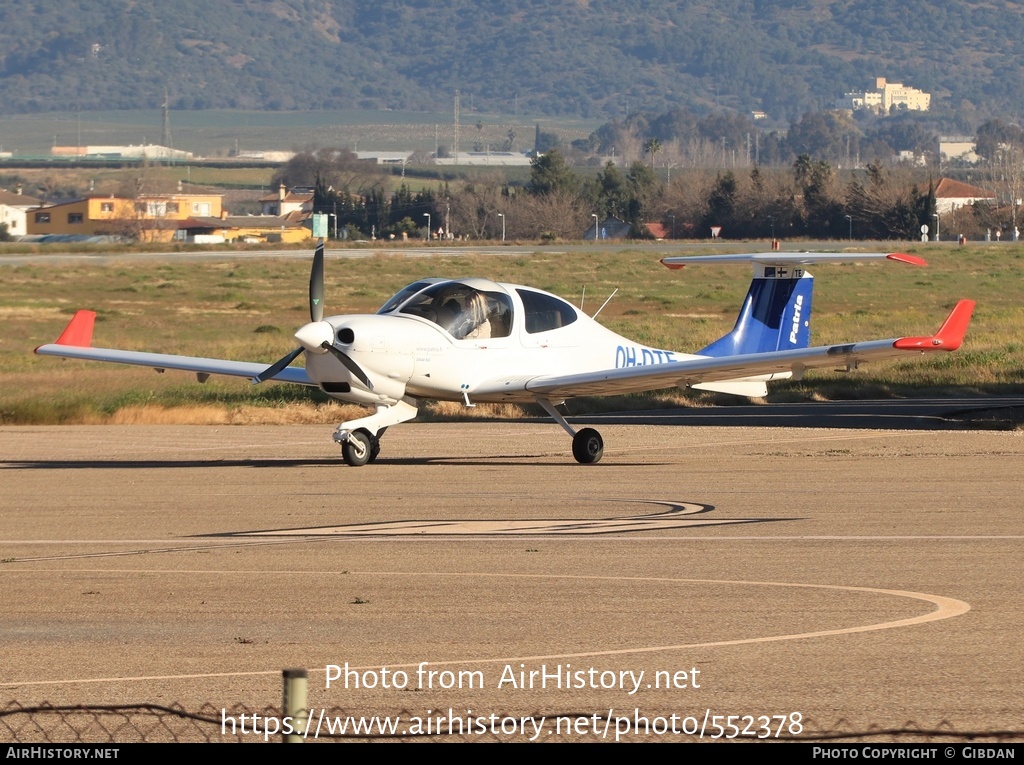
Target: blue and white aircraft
[{"x": 474, "y": 340}]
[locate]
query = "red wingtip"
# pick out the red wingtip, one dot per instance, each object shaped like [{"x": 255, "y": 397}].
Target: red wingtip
[
  {"x": 79, "y": 330},
  {"x": 673, "y": 266},
  {"x": 950, "y": 335},
  {"x": 903, "y": 257}
]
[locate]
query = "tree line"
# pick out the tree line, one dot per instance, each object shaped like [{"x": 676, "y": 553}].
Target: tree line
[{"x": 808, "y": 199}]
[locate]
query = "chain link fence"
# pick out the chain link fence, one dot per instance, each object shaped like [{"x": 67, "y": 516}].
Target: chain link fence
[{"x": 135, "y": 723}]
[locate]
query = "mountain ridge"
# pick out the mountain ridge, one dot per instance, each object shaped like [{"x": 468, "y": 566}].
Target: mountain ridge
[{"x": 593, "y": 58}]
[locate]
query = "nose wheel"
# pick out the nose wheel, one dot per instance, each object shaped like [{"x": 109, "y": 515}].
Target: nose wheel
[{"x": 360, "y": 448}]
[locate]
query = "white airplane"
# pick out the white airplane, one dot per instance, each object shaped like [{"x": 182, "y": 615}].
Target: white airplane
[{"x": 474, "y": 340}]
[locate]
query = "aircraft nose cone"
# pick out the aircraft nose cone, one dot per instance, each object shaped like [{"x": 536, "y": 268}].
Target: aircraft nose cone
[{"x": 313, "y": 336}]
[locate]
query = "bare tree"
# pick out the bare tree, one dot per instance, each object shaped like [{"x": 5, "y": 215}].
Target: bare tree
[
  {"x": 685, "y": 200},
  {"x": 700, "y": 152},
  {"x": 561, "y": 214},
  {"x": 475, "y": 210},
  {"x": 1006, "y": 170}
]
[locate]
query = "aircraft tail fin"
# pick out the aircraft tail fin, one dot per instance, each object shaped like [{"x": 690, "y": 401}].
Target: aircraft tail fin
[
  {"x": 775, "y": 316},
  {"x": 776, "y": 313}
]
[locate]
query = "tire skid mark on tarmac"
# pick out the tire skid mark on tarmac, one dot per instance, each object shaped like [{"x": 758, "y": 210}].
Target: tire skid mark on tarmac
[
  {"x": 944, "y": 608},
  {"x": 677, "y": 516}
]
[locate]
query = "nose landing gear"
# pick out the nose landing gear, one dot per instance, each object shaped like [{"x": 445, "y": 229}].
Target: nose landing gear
[
  {"x": 360, "y": 439},
  {"x": 360, "y": 448}
]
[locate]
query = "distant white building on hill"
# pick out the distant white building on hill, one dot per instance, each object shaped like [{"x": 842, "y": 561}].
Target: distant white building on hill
[{"x": 885, "y": 97}]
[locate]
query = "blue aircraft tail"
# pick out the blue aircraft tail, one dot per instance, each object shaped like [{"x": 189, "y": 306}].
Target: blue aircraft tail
[{"x": 776, "y": 314}]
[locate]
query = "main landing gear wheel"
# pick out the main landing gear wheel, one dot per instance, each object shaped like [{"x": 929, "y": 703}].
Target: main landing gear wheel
[
  {"x": 587, "y": 446},
  {"x": 360, "y": 448}
]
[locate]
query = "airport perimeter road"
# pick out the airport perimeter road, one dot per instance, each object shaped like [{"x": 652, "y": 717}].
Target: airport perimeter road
[
  {"x": 337, "y": 249},
  {"x": 220, "y": 254},
  {"x": 942, "y": 413},
  {"x": 833, "y": 577}
]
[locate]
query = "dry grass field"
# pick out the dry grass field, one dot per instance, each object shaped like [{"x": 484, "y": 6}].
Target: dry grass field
[{"x": 247, "y": 308}]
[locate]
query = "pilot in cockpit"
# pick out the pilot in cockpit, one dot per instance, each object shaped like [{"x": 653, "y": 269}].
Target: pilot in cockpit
[
  {"x": 466, "y": 313},
  {"x": 470, "y": 320},
  {"x": 477, "y": 317}
]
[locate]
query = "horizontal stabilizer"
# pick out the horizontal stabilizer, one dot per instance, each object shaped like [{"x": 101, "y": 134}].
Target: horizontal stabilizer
[{"x": 791, "y": 258}]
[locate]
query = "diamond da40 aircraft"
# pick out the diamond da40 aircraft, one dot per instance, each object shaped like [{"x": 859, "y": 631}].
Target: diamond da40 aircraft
[{"x": 474, "y": 340}]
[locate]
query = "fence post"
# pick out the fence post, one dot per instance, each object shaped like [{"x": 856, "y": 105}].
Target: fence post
[{"x": 293, "y": 705}]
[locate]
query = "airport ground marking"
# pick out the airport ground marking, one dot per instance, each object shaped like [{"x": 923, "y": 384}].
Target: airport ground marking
[{"x": 944, "y": 608}]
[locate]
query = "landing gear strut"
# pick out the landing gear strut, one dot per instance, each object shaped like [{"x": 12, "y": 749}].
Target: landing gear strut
[
  {"x": 360, "y": 439},
  {"x": 587, "y": 444}
]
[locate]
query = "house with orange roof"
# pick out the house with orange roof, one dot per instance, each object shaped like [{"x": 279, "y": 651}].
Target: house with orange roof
[{"x": 950, "y": 194}]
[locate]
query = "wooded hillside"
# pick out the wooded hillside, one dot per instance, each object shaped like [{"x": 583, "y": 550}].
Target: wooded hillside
[{"x": 539, "y": 57}]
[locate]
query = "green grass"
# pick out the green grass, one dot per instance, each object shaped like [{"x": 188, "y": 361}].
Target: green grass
[{"x": 247, "y": 309}]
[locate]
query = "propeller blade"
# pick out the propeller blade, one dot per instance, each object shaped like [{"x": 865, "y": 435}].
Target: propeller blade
[
  {"x": 352, "y": 366},
  {"x": 316, "y": 284},
  {"x": 274, "y": 369},
  {"x": 307, "y": 334}
]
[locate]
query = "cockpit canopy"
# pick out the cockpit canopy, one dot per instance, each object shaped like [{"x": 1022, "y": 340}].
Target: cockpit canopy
[
  {"x": 473, "y": 309},
  {"x": 406, "y": 292},
  {"x": 467, "y": 310}
]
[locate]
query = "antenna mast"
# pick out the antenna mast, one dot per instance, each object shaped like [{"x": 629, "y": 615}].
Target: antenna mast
[
  {"x": 165, "y": 136},
  {"x": 456, "y": 126}
]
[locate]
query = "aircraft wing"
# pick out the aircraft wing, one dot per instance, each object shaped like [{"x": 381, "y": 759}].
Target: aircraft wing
[
  {"x": 76, "y": 343},
  {"x": 715, "y": 369}
]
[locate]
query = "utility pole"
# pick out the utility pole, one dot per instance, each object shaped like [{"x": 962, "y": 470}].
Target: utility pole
[
  {"x": 165, "y": 135},
  {"x": 456, "y": 126}
]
